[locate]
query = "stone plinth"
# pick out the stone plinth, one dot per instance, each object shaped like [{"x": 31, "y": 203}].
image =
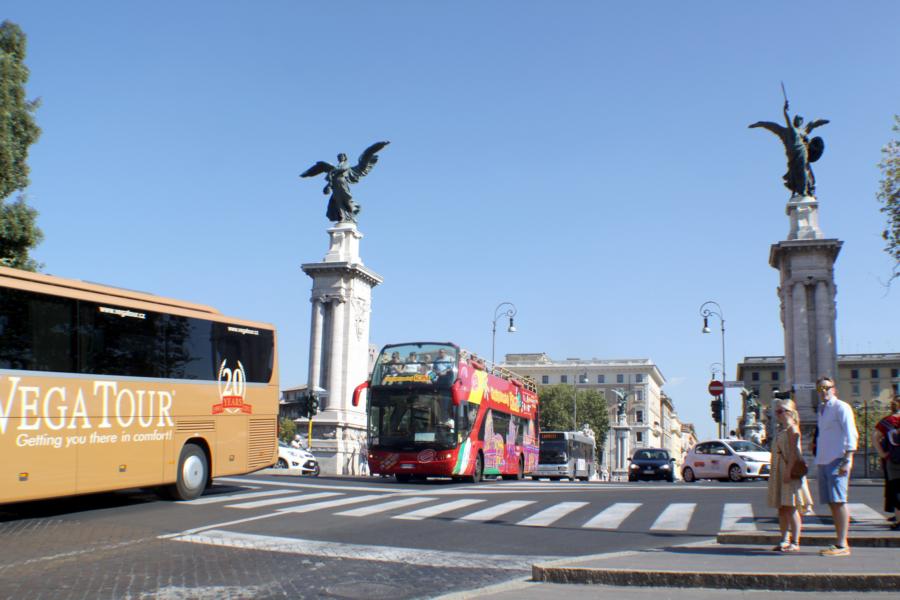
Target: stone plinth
[
  {"x": 619, "y": 466},
  {"x": 339, "y": 347},
  {"x": 807, "y": 291}
]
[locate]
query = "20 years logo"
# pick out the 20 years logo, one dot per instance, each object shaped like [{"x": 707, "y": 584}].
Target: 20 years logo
[{"x": 232, "y": 384}]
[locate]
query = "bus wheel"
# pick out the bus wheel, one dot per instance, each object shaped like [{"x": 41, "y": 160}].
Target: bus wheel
[
  {"x": 477, "y": 474},
  {"x": 402, "y": 477},
  {"x": 193, "y": 473}
]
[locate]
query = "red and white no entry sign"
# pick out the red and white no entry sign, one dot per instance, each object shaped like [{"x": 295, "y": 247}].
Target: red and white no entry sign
[{"x": 716, "y": 388}]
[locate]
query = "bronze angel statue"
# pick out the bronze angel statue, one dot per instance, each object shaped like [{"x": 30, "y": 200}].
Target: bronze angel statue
[
  {"x": 341, "y": 207},
  {"x": 801, "y": 151}
]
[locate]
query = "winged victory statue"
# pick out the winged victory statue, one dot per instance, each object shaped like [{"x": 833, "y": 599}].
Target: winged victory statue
[
  {"x": 341, "y": 207},
  {"x": 801, "y": 151}
]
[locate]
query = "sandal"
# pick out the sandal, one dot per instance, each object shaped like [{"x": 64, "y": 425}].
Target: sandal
[
  {"x": 780, "y": 546},
  {"x": 791, "y": 548}
]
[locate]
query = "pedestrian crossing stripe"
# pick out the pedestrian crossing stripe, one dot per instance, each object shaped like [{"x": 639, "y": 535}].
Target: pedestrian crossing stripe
[{"x": 675, "y": 517}]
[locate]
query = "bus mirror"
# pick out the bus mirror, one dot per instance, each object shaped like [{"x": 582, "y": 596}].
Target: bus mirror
[
  {"x": 358, "y": 391},
  {"x": 456, "y": 394}
]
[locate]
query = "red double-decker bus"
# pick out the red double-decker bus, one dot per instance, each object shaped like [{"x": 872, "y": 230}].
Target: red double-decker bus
[{"x": 437, "y": 410}]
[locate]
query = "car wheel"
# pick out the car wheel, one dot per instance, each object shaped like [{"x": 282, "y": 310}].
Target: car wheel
[
  {"x": 688, "y": 475},
  {"x": 670, "y": 479},
  {"x": 315, "y": 472},
  {"x": 533, "y": 478},
  {"x": 192, "y": 475},
  {"x": 734, "y": 473},
  {"x": 281, "y": 464}
]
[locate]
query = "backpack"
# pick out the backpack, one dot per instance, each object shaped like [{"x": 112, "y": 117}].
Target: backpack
[{"x": 891, "y": 440}]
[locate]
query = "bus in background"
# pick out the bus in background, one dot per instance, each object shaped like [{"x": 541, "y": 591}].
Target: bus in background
[
  {"x": 565, "y": 454},
  {"x": 103, "y": 389},
  {"x": 437, "y": 410}
]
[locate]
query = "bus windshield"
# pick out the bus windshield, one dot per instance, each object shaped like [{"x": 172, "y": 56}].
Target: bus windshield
[
  {"x": 400, "y": 420},
  {"x": 416, "y": 363},
  {"x": 553, "y": 452}
]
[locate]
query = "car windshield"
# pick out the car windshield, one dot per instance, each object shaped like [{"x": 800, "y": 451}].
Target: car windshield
[
  {"x": 651, "y": 455},
  {"x": 400, "y": 420},
  {"x": 553, "y": 452},
  {"x": 745, "y": 446}
]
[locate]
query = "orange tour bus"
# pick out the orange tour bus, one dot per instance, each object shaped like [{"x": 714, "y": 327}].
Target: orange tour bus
[
  {"x": 437, "y": 410},
  {"x": 103, "y": 389}
]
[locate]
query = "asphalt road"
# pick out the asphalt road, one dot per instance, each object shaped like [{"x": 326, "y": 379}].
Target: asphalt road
[{"x": 273, "y": 536}]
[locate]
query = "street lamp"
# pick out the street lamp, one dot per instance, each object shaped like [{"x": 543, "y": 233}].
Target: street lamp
[
  {"x": 509, "y": 312},
  {"x": 706, "y": 311}
]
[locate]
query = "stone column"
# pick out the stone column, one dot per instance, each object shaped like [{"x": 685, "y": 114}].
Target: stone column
[
  {"x": 339, "y": 348},
  {"x": 805, "y": 261}
]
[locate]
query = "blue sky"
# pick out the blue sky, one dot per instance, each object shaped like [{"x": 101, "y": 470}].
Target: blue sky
[{"x": 588, "y": 161}]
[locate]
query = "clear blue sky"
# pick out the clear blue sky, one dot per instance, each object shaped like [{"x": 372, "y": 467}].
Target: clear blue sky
[{"x": 588, "y": 161}]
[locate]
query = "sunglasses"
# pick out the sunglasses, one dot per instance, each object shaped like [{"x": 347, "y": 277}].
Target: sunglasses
[
  {"x": 825, "y": 388},
  {"x": 780, "y": 411}
]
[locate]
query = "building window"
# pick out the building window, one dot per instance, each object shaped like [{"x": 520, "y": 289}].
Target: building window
[
  {"x": 564, "y": 379},
  {"x": 754, "y": 376},
  {"x": 895, "y": 373},
  {"x": 639, "y": 437},
  {"x": 854, "y": 389},
  {"x": 639, "y": 416},
  {"x": 774, "y": 375},
  {"x": 755, "y": 389},
  {"x": 639, "y": 378},
  {"x": 876, "y": 389},
  {"x": 897, "y": 388},
  {"x": 854, "y": 373},
  {"x": 639, "y": 395},
  {"x": 601, "y": 378},
  {"x": 620, "y": 378},
  {"x": 545, "y": 379},
  {"x": 874, "y": 373}
]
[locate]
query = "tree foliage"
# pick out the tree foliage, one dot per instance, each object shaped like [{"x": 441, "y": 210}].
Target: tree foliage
[
  {"x": 18, "y": 130},
  {"x": 889, "y": 196},
  {"x": 287, "y": 429},
  {"x": 556, "y": 403}
]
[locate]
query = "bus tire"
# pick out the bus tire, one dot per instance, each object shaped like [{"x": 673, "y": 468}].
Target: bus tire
[
  {"x": 402, "y": 477},
  {"x": 192, "y": 475},
  {"x": 478, "y": 471}
]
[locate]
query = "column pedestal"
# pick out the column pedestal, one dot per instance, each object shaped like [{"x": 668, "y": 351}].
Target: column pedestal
[{"x": 339, "y": 350}]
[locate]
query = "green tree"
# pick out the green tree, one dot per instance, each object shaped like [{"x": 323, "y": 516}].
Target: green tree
[
  {"x": 889, "y": 196},
  {"x": 556, "y": 405},
  {"x": 286, "y": 429},
  {"x": 18, "y": 130}
]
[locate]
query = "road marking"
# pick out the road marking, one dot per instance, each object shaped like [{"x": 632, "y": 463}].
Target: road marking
[
  {"x": 383, "y": 507},
  {"x": 229, "y": 497},
  {"x": 414, "y": 556},
  {"x": 676, "y": 517},
  {"x": 283, "y": 500},
  {"x": 439, "y": 509},
  {"x": 552, "y": 514},
  {"x": 328, "y": 504},
  {"x": 489, "y": 514},
  {"x": 612, "y": 517},
  {"x": 738, "y": 517}
]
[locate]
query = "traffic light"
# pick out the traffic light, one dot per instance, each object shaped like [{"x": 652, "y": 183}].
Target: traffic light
[
  {"x": 313, "y": 405},
  {"x": 716, "y": 407},
  {"x": 303, "y": 407}
]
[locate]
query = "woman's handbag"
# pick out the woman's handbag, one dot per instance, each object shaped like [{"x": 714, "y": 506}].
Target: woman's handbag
[{"x": 799, "y": 469}]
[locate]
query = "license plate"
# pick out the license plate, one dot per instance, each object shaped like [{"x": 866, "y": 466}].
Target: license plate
[
  {"x": 406, "y": 466},
  {"x": 648, "y": 471}
]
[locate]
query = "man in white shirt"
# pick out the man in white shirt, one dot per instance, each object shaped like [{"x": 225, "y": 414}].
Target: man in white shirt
[{"x": 835, "y": 445}]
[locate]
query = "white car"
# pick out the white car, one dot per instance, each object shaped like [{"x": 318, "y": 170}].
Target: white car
[
  {"x": 733, "y": 460},
  {"x": 296, "y": 458}
]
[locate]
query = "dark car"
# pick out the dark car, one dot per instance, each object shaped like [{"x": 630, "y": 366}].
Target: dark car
[{"x": 651, "y": 463}]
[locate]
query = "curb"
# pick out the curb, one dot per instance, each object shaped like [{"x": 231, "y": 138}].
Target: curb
[
  {"x": 809, "y": 539},
  {"x": 819, "y": 582}
]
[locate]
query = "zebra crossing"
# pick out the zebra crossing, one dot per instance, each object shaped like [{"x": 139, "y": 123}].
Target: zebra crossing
[{"x": 601, "y": 515}]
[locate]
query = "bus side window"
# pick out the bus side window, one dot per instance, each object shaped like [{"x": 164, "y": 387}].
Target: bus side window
[{"x": 520, "y": 430}]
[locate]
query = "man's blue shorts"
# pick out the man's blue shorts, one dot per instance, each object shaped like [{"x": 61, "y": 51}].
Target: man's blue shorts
[{"x": 832, "y": 487}]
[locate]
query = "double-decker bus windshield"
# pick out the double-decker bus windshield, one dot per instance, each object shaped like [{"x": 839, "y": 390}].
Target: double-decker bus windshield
[
  {"x": 401, "y": 420},
  {"x": 417, "y": 363},
  {"x": 553, "y": 452}
]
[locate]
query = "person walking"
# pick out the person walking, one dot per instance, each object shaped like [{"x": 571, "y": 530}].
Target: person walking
[
  {"x": 886, "y": 430},
  {"x": 835, "y": 446},
  {"x": 788, "y": 491}
]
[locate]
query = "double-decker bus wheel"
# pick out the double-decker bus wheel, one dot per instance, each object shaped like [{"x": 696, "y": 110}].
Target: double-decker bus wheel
[
  {"x": 402, "y": 477},
  {"x": 478, "y": 472},
  {"x": 193, "y": 473}
]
